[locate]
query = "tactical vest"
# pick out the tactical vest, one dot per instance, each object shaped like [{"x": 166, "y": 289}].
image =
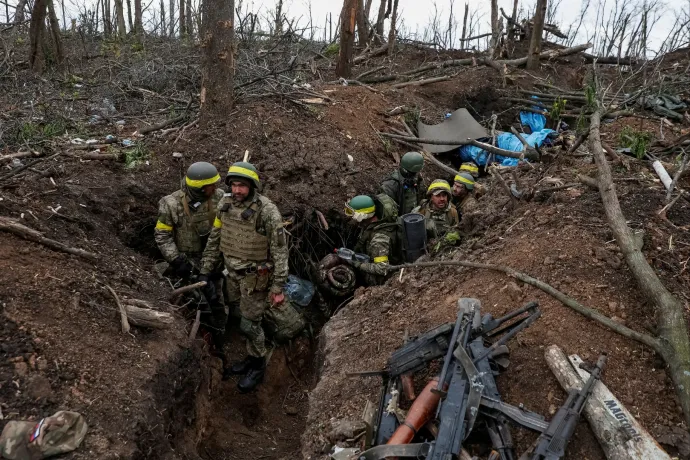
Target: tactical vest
[
  {"x": 407, "y": 190},
  {"x": 194, "y": 227},
  {"x": 239, "y": 237},
  {"x": 437, "y": 222}
]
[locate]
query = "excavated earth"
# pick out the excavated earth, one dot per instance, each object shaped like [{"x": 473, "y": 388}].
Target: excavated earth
[{"x": 153, "y": 394}]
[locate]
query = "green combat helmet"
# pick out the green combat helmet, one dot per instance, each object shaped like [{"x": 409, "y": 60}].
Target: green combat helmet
[
  {"x": 201, "y": 174},
  {"x": 243, "y": 170},
  {"x": 465, "y": 179},
  {"x": 360, "y": 208},
  {"x": 412, "y": 162}
]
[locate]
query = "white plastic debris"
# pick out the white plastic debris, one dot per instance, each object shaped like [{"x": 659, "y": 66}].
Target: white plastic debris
[
  {"x": 177, "y": 155},
  {"x": 662, "y": 173},
  {"x": 77, "y": 141},
  {"x": 349, "y": 157},
  {"x": 127, "y": 142},
  {"x": 120, "y": 122},
  {"x": 92, "y": 141}
]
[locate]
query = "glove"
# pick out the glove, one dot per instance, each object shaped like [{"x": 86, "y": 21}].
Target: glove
[
  {"x": 209, "y": 290},
  {"x": 181, "y": 266},
  {"x": 452, "y": 238}
]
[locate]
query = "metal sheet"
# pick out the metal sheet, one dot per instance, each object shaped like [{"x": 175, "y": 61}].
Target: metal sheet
[{"x": 457, "y": 129}]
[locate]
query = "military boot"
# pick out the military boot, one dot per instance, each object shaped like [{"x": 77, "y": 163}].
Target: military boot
[
  {"x": 239, "y": 368},
  {"x": 254, "y": 377}
]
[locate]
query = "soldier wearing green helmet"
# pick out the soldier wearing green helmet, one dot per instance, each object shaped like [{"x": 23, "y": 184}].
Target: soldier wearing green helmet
[
  {"x": 380, "y": 240},
  {"x": 248, "y": 233},
  {"x": 404, "y": 185}
]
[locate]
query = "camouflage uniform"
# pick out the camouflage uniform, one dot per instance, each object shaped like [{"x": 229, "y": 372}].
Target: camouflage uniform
[
  {"x": 406, "y": 193},
  {"x": 183, "y": 228},
  {"x": 466, "y": 205},
  {"x": 251, "y": 238},
  {"x": 438, "y": 222},
  {"x": 382, "y": 243},
  {"x": 61, "y": 433}
]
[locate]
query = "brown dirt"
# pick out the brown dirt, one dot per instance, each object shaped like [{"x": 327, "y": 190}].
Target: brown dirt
[{"x": 152, "y": 395}]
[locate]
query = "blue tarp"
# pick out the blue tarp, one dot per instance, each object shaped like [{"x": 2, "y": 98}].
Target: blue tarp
[
  {"x": 535, "y": 121},
  {"x": 505, "y": 141}
]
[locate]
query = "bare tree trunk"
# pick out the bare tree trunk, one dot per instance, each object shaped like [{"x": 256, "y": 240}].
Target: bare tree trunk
[
  {"x": 494, "y": 28},
  {"x": 674, "y": 346},
  {"x": 36, "y": 32},
  {"x": 19, "y": 12},
  {"x": 164, "y": 29},
  {"x": 190, "y": 25},
  {"x": 120, "y": 13},
  {"x": 171, "y": 18},
  {"x": 138, "y": 25},
  {"x": 380, "y": 19},
  {"x": 393, "y": 32},
  {"x": 55, "y": 32},
  {"x": 347, "y": 38},
  {"x": 218, "y": 70},
  {"x": 513, "y": 20},
  {"x": 129, "y": 15},
  {"x": 64, "y": 17},
  {"x": 183, "y": 20},
  {"x": 535, "y": 39},
  {"x": 362, "y": 32},
  {"x": 278, "y": 20},
  {"x": 107, "y": 22},
  {"x": 464, "y": 26}
]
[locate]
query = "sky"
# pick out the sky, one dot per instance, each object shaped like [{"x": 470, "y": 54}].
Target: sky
[{"x": 416, "y": 15}]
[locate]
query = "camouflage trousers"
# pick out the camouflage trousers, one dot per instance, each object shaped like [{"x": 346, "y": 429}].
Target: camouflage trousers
[{"x": 258, "y": 317}]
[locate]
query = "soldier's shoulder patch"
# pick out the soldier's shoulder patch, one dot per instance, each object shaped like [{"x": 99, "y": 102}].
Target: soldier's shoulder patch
[{"x": 281, "y": 239}]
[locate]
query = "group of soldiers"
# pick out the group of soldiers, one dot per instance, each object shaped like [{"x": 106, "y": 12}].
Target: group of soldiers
[
  {"x": 443, "y": 206},
  {"x": 235, "y": 242}
]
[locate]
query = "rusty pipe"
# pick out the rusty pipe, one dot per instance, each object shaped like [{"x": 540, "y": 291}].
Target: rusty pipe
[{"x": 421, "y": 412}]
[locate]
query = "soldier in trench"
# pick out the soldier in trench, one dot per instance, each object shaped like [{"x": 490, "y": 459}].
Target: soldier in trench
[
  {"x": 441, "y": 217},
  {"x": 381, "y": 238},
  {"x": 248, "y": 233},
  {"x": 185, "y": 220},
  {"x": 464, "y": 199},
  {"x": 404, "y": 185}
]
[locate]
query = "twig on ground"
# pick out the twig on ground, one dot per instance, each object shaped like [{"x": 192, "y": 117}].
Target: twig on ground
[
  {"x": 14, "y": 227},
  {"x": 123, "y": 313}
]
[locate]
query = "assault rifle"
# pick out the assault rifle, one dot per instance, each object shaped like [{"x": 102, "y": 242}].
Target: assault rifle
[{"x": 552, "y": 442}]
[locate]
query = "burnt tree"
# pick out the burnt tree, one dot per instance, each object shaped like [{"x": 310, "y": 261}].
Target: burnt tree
[
  {"x": 19, "y": 12},
  {"x": 107, "y": 21},
  {"x": 347, "y": 38},
  {"x": 183, "y": 19},
  {"x": 218, "y": 70},
  {"x": 129, "y": 15},
  {"x": 37, "y": 30},
  {"x": 380, "y": 19},
  {"x": 536, "y": 31},
  {"x": 171, "y": 18}
]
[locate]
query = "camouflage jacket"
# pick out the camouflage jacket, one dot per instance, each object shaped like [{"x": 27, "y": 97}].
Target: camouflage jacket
[
  {"x": 466, "y": 205},
  {"x": 407, "y": 193},
  {"x": 381, "y": 241},
  {"x": 438, "y": 222},
  {"x": 183, "y": 226},
  {"x": 268, "y": 223}
]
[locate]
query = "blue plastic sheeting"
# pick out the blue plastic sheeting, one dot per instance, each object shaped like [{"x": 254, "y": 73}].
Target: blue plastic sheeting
[
  {"x": 299, "y": 291},
  {"x": 535, "y": 121},
  {"x": 505, "y": 141}
]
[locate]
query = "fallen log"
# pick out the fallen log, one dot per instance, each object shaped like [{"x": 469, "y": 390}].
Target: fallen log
[
  {"x": 673, "y": 343},
  {"x": 146, "y": 317},
  {"x": 610, "y": 59},
  {"x": 11, "y": 156},
  {"x": 152, "y": 128},
  {"x": 532, "y": 155},
  {"x": 524, "y": 142},
  {"x": 421, "y": 82},
  {"x": 184, "y": 289},
  {"x": 123, "y": 313},
  {"x": 620, "y": 435},
  {"x": 11, "y": 226},
  {"x": 99, "y": 156},
  {"x": 373, "y": 53}
]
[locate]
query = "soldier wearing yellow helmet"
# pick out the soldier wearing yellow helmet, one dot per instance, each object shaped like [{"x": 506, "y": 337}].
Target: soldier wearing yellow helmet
[{"x": 441, "y": 217}]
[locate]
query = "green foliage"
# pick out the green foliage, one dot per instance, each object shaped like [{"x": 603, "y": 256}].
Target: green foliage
[
  {"x": 591, "y": 95},
  {"x": 581, "y": 124},
  {"x": 557, "y": 108},
  {"x": 136, "y": 155},
  {"x": 137, "y": 47},
  {"x": 332, "y": 50},
  {"x": 34, "y": 132},
  {"x": 412, "y": 118},
  {"x": 636, "y": 141}
]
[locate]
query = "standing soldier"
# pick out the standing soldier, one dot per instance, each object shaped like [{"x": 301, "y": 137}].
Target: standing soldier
[
  {"x": 185, "y": 220},
  {"x": 404, "y": 184},
  {"x": 440, "y": 215},
  {"x": 248, "y": 232},
  {"x": 380, "y": 240}
]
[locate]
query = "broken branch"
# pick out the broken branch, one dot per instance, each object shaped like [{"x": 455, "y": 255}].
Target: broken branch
[
  {"x": 123, "y": 312},
  {"x": 14, "y": 227}
]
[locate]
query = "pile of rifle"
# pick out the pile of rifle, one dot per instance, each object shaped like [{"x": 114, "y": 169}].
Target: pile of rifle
[{"x": 462, "y": 408}]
